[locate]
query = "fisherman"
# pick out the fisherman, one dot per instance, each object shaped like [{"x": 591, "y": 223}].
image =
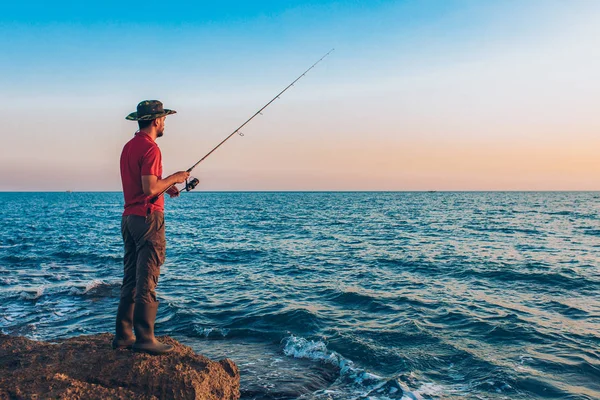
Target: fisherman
[{"x": 143, "y": 229}]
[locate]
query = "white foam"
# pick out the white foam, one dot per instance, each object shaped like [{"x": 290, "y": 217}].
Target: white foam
[
  {"x": 431, "y": 389},
  {"x": 33, "y": 295},
  {"x": 207, "y": 331},
  {"x": 94, "y": 284},
  {"x": 91, "y": 285},
  {"x": 299, "y": 347},
  {"x": 363, "y": 383},
  {"x": 358, "y": 383}
]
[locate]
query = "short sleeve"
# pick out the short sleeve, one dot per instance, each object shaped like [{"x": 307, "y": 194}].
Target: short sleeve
[{"x": 152, "y": 162}]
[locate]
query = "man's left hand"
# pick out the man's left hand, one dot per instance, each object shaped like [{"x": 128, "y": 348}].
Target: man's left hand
[{"x": 173, "y": 192}]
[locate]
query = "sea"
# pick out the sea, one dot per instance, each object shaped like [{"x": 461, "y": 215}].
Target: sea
[{"x": 334, "y": 295}]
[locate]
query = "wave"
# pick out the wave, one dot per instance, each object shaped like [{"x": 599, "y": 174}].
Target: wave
[
  {"x": 493, "y": 272},
  {"x": 567, "y": 310},
  {"x": 402, "y": 265},
  {"x": 507, "y": 230},
  {"x": 8, "y": 281},
  {"x": 32, "y": 295},
  {"x": 592, "y": 232},
  {"x": 356, "y": 383},
  {"x": 373, "y": 303},
  {"x": 95, "y": 288},
  {"x": 220, "y": 333},
  {"x": 258, "y": 323},
  {"x": 24, "y": 259},
  {"x": 88, "y": 257},
  {"x": 358, "y": 300},
  {"x": 234, "y": 255},
  {"x": 363, "y": 383},
  {"x": 530, "y": 385},
  {"x": 297, "y": 320},
  {"x": 564, "y": 212},
  {"x": 549, "y": 279},
  {"x": 211, "y": 332},
  {"x": 509, "y": 328}
]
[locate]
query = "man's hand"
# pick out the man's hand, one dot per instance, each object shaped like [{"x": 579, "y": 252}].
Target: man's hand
[
  {"x": 173, "y": 192},
  {"x": 180, "y": 176}
]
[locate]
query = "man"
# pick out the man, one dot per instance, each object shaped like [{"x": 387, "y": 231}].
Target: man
[{"x": 143, "y": 229}]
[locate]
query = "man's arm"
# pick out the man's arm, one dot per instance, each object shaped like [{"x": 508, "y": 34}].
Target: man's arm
[{"x": 153, "y": 186}]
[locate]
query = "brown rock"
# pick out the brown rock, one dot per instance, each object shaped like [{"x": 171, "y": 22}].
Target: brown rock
[{"x": 86, "y": 367}]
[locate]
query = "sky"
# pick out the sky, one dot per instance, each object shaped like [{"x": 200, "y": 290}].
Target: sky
[{"x": 418, "y": 95}]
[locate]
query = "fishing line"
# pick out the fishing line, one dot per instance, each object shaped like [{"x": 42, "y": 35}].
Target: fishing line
[{"x": 193, "y": 182}]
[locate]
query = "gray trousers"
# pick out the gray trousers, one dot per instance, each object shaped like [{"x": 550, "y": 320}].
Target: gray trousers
[{"x": 145, "y": 246}]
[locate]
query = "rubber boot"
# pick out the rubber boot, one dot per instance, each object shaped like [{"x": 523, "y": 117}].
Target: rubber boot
[
  {"x": 124, "y": 338},
  {"x": 143, "y": 323}
]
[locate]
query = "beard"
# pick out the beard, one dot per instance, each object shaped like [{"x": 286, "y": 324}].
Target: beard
[{"x": 159, "y": 134}]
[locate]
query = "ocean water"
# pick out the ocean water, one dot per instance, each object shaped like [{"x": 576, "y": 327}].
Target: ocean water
[{"x": 335, "y": 295}]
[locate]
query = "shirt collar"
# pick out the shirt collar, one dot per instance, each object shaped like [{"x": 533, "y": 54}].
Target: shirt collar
[{"x": 144, "y": 134}]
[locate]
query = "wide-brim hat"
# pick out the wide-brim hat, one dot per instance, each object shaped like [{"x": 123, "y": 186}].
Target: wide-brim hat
[{"x": 148, "y": 110}]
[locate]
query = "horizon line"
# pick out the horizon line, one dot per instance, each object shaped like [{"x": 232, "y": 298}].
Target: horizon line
[{"x": 326, "y": 191}]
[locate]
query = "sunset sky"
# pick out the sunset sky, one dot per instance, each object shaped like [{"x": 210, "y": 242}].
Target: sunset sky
[{"x": 418, "y": 95}]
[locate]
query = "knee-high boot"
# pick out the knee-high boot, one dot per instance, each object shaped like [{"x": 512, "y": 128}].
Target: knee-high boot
[
  {"x": 123, "y": 331},
  {"x": 144, "y": 316}
]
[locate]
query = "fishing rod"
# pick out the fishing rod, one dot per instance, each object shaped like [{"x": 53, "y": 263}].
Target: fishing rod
[{"x": 193, "y": 182}]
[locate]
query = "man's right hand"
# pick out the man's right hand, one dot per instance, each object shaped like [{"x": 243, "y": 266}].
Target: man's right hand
[{"x": 181, "y": 176}]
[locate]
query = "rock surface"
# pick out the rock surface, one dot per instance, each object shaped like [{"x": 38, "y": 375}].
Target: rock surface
[{"x": 86, "y": 367}]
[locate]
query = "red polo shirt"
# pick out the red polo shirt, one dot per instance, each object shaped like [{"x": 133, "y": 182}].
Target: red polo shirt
[{"x": 140, "y": 156}]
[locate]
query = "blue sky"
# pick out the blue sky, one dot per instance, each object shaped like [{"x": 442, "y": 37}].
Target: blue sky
[
  {"x": 67, "y": 45},
  {"x": 497, "y": 84}
]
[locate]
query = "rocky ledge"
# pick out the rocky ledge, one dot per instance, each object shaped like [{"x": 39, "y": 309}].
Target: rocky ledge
[{"x": 86, "y": 367}]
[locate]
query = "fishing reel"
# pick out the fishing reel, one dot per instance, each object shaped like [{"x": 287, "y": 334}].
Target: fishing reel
[{"x": 191, "y": 184}]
